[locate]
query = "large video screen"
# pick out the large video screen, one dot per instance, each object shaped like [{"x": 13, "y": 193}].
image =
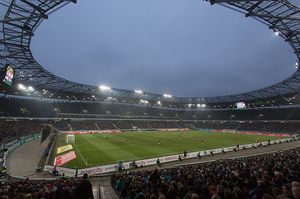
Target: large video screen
[{"x": 8, "y": 75}]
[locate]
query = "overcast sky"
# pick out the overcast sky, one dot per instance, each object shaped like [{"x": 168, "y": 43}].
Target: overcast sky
[{"x": 185, "y": 48}]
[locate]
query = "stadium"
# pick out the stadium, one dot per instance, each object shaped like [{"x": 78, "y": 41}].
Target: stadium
[{"x": 65, "y": 139}]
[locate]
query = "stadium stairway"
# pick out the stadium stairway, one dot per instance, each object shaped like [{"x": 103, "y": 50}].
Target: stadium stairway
[
  {"x": 95, "y": 186},
  {"x": 98, "y": 128},
  {"x": 162, "y": 126},
  {"x": 70, "y": 127},
  {"x": 149, "y": 126},
  {"x": 105, "y": 189},
  {"x": 177, "y": 126},
  {"x": 115, "y": 126},
  {"x": 191, "y": 126}
]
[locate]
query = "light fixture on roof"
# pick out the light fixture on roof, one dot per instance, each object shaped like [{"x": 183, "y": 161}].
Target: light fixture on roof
[
  {"x": 138, "y": 91},
  {"x": 104, "y": 88},
  {"x": 144, "y": 101},
  {"x": 21, "y": 87},
  {"x": 159, "y": 102},
  {"x": 30, "y": 88},
  {"x": 202, "y": 106},
  {"x": 167, "y": 96},
  {"x": 276, "y": 33},
  {"x": 297, "y": 65},
  {"x": 24, "y": 88}
]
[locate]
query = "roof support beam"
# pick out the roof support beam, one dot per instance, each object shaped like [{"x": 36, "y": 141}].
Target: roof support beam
[
  {"x": 293, "y": 17},
  {"x": 233, "y": 1},
  {"x": 14, "y": 37},
  {"x": 252, "y": 8},
  {"x": 20, "y": 18},
  {"x": 292, "y": 35},
  {"x": 41, "y": 11}
]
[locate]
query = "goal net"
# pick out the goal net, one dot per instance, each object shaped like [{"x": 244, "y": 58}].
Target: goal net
[
  {"x": 137, "y": 129},
  {"x": 70, "y": 139}
]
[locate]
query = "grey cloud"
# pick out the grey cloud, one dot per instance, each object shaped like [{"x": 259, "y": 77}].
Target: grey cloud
[{"x": 187, "y": 48}]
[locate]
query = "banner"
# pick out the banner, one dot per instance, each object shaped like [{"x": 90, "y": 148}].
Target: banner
[
  {"x": 64, "y": 148},
  {"x": 63, "y": 159},
  {"x": 253, "y": 133},
  {"x": 92, "y": 132},
  {"x": 174, "y": 129}
]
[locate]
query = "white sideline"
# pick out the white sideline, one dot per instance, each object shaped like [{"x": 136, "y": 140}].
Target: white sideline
[{"x": 80, "y": 155}]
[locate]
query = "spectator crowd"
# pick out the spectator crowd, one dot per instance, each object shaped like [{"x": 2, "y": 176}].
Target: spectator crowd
[
  {"x": 63, "y": 188},
  {"x": 15, "y": 128},
  {"x": 273, "y": 176},
  {"x": 19, "y": 127}
]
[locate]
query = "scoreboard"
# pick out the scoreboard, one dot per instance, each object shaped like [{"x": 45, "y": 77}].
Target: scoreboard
[{"x": 7, "y": 75}]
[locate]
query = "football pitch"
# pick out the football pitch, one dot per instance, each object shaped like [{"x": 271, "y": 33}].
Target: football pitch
[{"x": 100, "y": 149}]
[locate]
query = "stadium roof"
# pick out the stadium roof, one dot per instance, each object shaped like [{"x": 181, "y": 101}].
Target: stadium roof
[{"x": 20, "y": 18}]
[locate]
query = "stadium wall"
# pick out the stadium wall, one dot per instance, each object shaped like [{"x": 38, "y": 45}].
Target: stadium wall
[
  {"x": 16, "y": 143},
  {"x": 46, "y": 145},
  {"x": 47, "y": 138}
]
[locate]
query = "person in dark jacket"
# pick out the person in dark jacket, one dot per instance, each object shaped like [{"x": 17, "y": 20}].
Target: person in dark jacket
[{"x": 84, "y": 189}]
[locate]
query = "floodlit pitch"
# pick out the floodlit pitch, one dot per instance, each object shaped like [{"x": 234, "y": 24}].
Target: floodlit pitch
[{"x": 101, "y": 149}]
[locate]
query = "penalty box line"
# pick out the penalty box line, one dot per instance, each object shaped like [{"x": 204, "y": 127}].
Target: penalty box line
[{"x": 80, "y": 154}]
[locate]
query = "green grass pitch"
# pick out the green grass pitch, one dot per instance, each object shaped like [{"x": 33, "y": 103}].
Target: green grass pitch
[{"x": 101, "y": 149}]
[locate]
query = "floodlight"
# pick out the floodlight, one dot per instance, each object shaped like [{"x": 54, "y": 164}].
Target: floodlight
[
  {"x": 144, "y": 101},
  {"x": 104, "y": 88},
  {"x": 21, "y": 87},
  {"x": 167, "y": 96},
  {"x": 111, "y": 98},
  {"x": 158, "y": 102},
  {"x": 240, "y": 105},
  {"x": 30, "y": 88},
  {"x": 202, "y": 105},
  {"x": 276, "y": 33},
  {"x": 138, "y": 91}
]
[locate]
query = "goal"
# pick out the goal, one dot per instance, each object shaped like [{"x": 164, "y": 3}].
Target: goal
[
  {"x": 137, "y": 129},
  {"x": 70, "y": 139}
]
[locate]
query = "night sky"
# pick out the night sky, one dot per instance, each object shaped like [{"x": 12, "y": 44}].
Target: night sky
[{"x": 185, "y": 48}]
